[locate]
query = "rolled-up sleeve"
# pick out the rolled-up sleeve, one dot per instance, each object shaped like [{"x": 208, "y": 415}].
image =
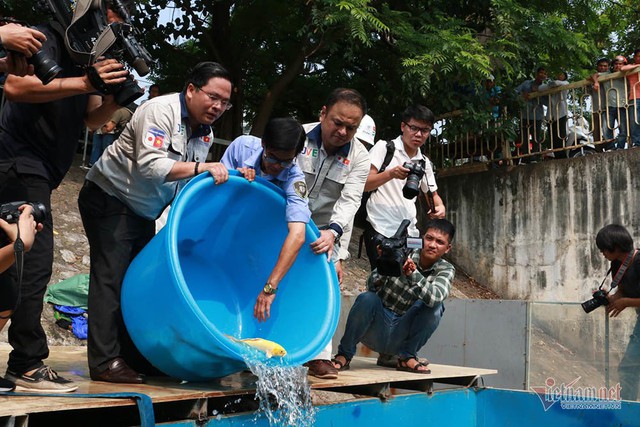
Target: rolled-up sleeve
[{"x": 154, "y": 130}]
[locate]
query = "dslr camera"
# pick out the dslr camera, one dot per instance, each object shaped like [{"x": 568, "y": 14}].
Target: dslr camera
[
  {"x": 395, "y": 250},
  {"x": 412, "y": 187},
  {"x": 88, "y": 36},
  {"x": 599, "y": 298},
  {"x": 44, "y": 67},
  {"x": 10, "y": 212}
]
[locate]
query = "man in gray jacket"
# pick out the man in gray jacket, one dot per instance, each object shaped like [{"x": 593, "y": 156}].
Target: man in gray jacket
[{"x": 336, "y": 167}]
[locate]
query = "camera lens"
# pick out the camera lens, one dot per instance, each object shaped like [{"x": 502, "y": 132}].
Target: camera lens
[
  {"x": 412, "y": 188},
  {"x": 45, "y": 68},
  {"x": 589, "y": 306}
]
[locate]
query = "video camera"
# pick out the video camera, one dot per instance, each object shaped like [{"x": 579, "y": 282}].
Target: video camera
[
  {"x": 10, "y": 212},
  {"x": 88, "y": 36},
  {"x": 395, "y": 251}
]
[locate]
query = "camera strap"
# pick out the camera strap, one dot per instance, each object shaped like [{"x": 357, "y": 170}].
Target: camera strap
[
  {"x": 623, "y": 268},
  {"x": 18, "y": 251},
  {"x": 103, "y": 41}
]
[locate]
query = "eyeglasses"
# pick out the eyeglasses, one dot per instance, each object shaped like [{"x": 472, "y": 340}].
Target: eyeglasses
[
  {"x": 215, "y": 99},
  {"x": 416, "y": 129},
  {"x": 273, "y": 160}
]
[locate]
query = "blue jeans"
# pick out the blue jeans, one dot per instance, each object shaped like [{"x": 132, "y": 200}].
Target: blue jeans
[
  {"x": 100, "y": 143},
  {"x": 619, "y": 115},
  {"x": 384, "y": 331},
  {"x": 629, "y": 368}
]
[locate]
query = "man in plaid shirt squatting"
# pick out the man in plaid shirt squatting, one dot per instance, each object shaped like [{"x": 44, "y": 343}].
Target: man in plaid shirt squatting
[{"x": 398, "y": 315}]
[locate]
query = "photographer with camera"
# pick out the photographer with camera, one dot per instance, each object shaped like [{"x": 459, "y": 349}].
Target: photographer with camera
[
  {"x": 616, "y": 244},
  {"x": 18, "y": 43},
  {"x": 20, "y": 232},
  {"x": 398, "y": 315},
  {"x": 39, "y": 132},
  {"x": 398, "y": 172}
]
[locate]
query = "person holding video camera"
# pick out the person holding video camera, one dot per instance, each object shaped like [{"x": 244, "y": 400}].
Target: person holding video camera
[
  {"x": 273, "y": 158},
  {"x": 18, "y": 43},
  {"x": 397, "y": 174},
  {"x": 39, "y": 132},
  {"x": 398, "y": 315},
  {"x": 616, "y": 244},
  {"x": 165, "y": 143}
]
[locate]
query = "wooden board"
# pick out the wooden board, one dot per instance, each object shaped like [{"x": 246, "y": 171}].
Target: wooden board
[{"x": 71, "y": 363}]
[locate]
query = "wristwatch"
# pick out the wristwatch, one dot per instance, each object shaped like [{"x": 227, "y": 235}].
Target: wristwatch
[
  {"x": 336, "y": 235},
  {"x": 268, "y": 289}
]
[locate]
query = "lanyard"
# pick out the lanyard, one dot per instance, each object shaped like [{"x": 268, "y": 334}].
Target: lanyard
[{"x": 623, "y": 268}]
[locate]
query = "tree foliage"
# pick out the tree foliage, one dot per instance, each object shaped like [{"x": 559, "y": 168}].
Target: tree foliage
[{"x": 285, "y": 57}]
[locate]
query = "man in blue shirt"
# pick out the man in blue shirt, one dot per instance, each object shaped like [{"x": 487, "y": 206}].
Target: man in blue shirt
[{"x": 272, "y": 158}]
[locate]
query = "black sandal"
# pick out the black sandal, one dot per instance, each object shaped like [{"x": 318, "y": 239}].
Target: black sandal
[
  {"x": 342, "y": 366},
  {"x": 403, "y": 366}
]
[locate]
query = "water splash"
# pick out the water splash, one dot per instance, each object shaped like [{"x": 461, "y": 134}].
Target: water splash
[{"x": 283, "y": 393}]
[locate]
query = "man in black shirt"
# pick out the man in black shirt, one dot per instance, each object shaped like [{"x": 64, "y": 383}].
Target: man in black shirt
[
  {"x": 39, "y": 131},
  {"x": 616, "y": 244}
]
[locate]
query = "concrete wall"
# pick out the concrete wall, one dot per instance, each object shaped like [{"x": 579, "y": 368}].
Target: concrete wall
[{"x": 528, "y": 232}]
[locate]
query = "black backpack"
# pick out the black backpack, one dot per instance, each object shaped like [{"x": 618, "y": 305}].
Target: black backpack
[{"x": 361, "y": 215}]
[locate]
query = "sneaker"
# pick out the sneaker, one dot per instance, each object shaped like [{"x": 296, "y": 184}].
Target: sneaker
[
  {"x": 44, "y": 379},
  {"x": 6, "y": 385},
  {"x": 322, "y": 369}
]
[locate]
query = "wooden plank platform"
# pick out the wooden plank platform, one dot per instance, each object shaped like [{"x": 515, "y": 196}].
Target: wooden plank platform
[{"x": 364, "y": 377}]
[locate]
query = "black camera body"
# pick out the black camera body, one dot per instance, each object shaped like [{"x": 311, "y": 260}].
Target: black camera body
[
  {"x": 412, "y": 187},
  {"x": 599, "y": 298},
  {"x": 10, "y": 212},
  {"x": 396, "y": 250},
  {"x": 88, "y": 36}
]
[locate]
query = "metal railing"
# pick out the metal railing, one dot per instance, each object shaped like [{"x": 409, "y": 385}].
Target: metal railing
[{"x": 568, "y": 120}]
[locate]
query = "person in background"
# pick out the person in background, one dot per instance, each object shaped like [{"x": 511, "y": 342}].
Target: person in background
[
  {"x": 557, "y": 113},
  {"x": 634, "y": 97},
  {"x": 104, "y": 137}
]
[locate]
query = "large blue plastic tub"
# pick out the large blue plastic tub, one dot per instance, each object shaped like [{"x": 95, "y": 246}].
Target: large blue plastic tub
[{"x": 198, "y": 279}]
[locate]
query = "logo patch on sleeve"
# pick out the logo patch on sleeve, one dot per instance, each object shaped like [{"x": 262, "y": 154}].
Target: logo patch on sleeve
[
  {"x": 300, "y": 187},
  {"x": 154, "y": 138}
]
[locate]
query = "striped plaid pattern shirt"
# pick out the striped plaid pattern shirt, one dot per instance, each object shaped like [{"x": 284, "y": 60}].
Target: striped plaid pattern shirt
[{"x": 398, "y": 294}]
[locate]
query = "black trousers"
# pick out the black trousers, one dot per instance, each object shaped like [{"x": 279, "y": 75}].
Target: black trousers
[
  {"x": 371, "y": 241},
  {"x": 116, "y": 235},
  {"x": 26, "y": 335}
]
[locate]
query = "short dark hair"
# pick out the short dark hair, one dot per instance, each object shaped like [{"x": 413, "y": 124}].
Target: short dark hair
[
  {"x": 155, "y": 85},
  {"x": 128, "y": 4},
  {"x": 635, "y": 52},
  {"x": 612, "y": 237},
  {"x": 350, "y": 96},
  {"x": 200, "y": 74},
  {"x": 442, "y": 225},
  {"x": 541, "y": 68},
  {"x": 601, "y": 60},
  {"x": 284, "y": 134},
  {"x": 420, "y": 113}
]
